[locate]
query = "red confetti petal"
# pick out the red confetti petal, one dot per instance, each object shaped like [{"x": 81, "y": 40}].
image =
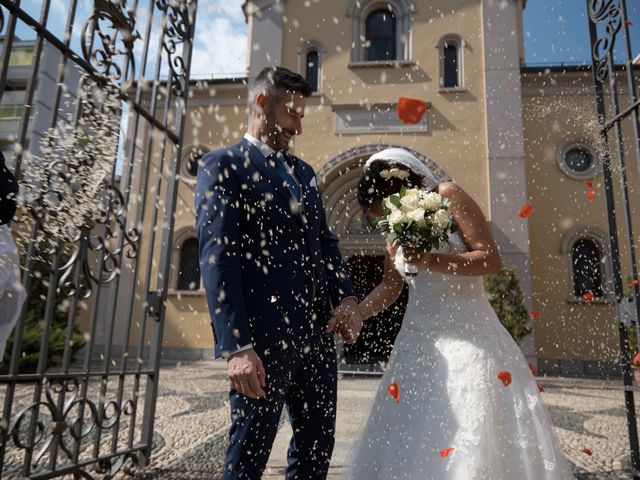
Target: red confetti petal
[
  {"x": 446, "y": 451},
  {"x": 394, "y": 391},
  {"x": 588, "y": 297},
  {"x": 634, "y": 283},
  {"x": 511, "y": 88},
  {"x": 590, "y": 194},
  {"x": 505, "y": 378},
  {"x": 533, "y": 370},
  {"x": 586, "y": 451},
  {"x": 628, "y": 22},
  {"x": 636, "y": 359},
  {"x": 535, "y": 314},
  {"x": 411, "y": 110},
  {"x": 525, "y": 211},
  {"x": 540, "y": 388}
]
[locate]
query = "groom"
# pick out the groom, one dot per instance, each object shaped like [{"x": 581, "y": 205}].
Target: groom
[{"x": 272, "y": 272}]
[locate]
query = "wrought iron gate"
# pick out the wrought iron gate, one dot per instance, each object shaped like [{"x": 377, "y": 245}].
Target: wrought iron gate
[
  {"x": 99, "y": 191},
  {"x": 607, "y": 19}
]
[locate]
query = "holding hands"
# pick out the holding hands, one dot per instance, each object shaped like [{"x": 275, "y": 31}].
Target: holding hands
[{"x": 347, "y": 319}]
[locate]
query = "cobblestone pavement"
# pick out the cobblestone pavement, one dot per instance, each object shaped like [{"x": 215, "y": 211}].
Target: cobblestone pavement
[
  {"x": 586, "y": 414},
  {"x": 192, "y": 417}
]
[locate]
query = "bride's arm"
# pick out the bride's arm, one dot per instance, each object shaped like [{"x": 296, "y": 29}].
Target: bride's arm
[
  {"x": 483, "y": 257},
  {"x": 385, "y": 294}
]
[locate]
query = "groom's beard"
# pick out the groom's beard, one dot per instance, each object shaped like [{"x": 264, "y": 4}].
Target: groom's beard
[{"x": 275, "y": 136}]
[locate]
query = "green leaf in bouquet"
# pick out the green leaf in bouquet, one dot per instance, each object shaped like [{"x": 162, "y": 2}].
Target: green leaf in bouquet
[{"x": 395, "y": 199}]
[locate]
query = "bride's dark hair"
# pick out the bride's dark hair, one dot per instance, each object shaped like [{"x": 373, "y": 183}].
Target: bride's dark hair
[{"x": 372, "y": 186}]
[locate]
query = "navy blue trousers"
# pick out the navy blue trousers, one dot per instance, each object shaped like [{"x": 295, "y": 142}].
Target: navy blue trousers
[{"x": 305, "y": 381}]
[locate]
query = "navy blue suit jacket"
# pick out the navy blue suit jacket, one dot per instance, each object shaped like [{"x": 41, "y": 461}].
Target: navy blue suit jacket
[{"x": 271, "y": 271}]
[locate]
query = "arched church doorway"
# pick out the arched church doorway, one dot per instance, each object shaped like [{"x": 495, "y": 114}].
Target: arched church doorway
[{"x": 364, "y": 248}]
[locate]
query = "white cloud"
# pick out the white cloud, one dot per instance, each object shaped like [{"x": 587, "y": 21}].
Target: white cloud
[
  {"x": 220, "y": 46},
  {"x": 220, "y": 38}
]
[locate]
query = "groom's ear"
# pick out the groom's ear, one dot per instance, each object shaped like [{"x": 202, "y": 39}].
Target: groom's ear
[{"x": 261, "y": 101}]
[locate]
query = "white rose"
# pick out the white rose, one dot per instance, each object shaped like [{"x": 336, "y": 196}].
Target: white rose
[
  {"x": 442, "y": 219},
  {"x": 397, "y": 216},
  {"x": 389, "y": 204},
  {"x": 410, "y": 201},
  {"x": 417, "y": 216},
  {"x": 431, "y": 201}
]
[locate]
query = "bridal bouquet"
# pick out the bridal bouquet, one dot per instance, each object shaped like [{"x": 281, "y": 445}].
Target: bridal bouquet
[{"x": 416, "y": 219}]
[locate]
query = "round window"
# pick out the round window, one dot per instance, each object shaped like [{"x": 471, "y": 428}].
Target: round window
[
  {"x": 191, "y": 160},
  {"x": 578, "y": 160}
]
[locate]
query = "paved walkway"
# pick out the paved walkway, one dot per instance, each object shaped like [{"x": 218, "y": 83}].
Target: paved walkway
[
  {"x": 193, "y": 414},
  {"x": 192, "y": 419}
]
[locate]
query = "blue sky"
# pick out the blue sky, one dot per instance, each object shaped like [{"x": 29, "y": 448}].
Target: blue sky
[
  {"x": 555, "y": 32},
  {"x": 220, "y": 40}
]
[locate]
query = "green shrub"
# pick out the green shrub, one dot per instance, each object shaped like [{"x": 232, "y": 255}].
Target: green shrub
[{"x": 507, "y": 299}]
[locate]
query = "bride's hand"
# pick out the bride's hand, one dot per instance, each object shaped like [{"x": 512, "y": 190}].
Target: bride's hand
[
  {"x": 423, "y": 260},
  {"x": 391, "y": 249}
]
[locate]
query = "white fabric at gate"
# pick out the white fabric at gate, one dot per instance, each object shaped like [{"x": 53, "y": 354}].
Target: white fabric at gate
[{"x": 12, "y": 294}]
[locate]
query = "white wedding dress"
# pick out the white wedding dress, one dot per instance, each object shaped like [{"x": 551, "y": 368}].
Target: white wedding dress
[{"x": 446, "y": 361}]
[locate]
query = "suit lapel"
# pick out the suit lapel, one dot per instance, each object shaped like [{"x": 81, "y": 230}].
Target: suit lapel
[
  {"x": 269, "y": 172},
  {"x": 305, "y": 191}
]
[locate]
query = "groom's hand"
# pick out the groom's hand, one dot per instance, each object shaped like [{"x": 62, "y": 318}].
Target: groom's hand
[
  {"x": 347, "y": 320},
  {"x": 247, "y": 374}
]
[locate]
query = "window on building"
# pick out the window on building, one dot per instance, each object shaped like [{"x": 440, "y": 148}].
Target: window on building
[
  {"x": 189, "y": 266},
  {"x": 312, "y": 70},
  {"x": 380, "y": 31},
  {"x": 191, "y": 161},
  {"x": 451, "y": 50},
  {"x": 450, "y": 53},
  {"x": 14, "y": 112},
  {"x": 578, "y": 160},
  {"x": 586, "y": 258},
  {"x": 380, "y": 36},
  {"x": 21, "y": 56}
]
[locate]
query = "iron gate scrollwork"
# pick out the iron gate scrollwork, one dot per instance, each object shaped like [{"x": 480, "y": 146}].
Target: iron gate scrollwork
[
  {"x": 608, "y": 19},
  {"x": 93, "y": 262}
]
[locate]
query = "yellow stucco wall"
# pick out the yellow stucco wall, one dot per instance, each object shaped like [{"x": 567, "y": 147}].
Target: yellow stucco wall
[
  {"x": 456, "y": 140},
  {"x": 456, "y": 137},
  {"x": 565, "y": 329}
]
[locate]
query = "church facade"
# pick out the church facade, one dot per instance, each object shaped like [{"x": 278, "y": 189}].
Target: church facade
[{"x": 509, "y": 134}]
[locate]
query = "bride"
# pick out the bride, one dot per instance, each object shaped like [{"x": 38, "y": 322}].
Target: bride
[{"x": 458, "y": 400}]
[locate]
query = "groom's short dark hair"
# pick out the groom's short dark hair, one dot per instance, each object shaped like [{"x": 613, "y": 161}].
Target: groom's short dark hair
[{"x": 276, "y": 81}]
